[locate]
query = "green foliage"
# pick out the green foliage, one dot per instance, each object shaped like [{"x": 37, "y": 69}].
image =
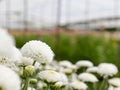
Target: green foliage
[{"x": 76, "y": 47}]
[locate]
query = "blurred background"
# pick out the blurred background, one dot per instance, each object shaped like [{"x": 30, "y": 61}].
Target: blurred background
[{"x": 75, "y": 29}]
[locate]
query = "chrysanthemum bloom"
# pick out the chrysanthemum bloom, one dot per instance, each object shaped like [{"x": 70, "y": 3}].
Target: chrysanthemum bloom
[
  {"x": 87, "y": 77},
  {"x": 65, "y": 64},
  {"x": 59, "y": 84},
  {"x": 113, "y": 88},
  {"x": 38, "y": 51},
  {"x": 67, "y": 71},
  {"x": 114, "y": 82},
  {"x": 9, "y": 80},
  {"x": 63, "y": 78},
  {"x": 6, "y": 44},
  {"x": 92, "y": 70},
  {"x": 41, "y": 85},
  {"x": 110, "y": 88},
  {"x": 29, "y": 88},
  {"x": 84, "y": 63},
  {"x": 25, "y": 61},
  {"x": 107, "y": 69},
  {"x": 49, "y": 76},
  {"x": 6, "y": 38},
  {"x": 78, "y": 85}
]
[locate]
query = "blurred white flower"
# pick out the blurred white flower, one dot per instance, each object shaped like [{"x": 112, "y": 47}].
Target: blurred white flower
[
  {"x": 114, "y": 82},
  {"x": 6, "y": 44},
  {"x": 87, "y": 77},
  {"x": 50, "y": 76},
  {"x": 64, "y": 78},
  {"x": 73, "y": 76},
  {"x": 6, "y": 38},
  {"x": 113, "y": 88},
  {"x": 117, "y": 88},
  {"x": 65, "y": 64},
  {"x": 29, "y": 88},
  {"x": 92, "y": 69},
  {"x": 9, "y": 80},
  {"x": 16, "y": 56},
  {"x": 84, "y": 63},
  {"x": 25, "y": 61},
  {"x": 107, "y": 69},
  {"x": 110, "y": 88},
  {"x": 59, "y": 84},
  {"x": 78, "y": 85},
  {"x": 38, "y": 50},
  {"x": 49, "y": 67},
  {"x": 67, "y": 71},
  {"x": 41, "y": 85}
]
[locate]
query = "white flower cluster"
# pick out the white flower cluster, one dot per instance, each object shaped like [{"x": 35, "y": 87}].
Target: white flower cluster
[{"x": 33, "y": 68}]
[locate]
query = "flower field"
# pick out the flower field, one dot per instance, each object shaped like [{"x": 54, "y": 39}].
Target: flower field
[{"x": 33, "y": 67}]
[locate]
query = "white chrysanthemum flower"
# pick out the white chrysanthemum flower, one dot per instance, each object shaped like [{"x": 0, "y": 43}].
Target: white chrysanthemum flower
[
  {"x": 38, "y": 66},
  {"x": 12, "y": 55},
  {"x": 64, "y": 78},
  {"x": 49, "y": 67},
  {"x": 84, "y": 63},
  {"x": 59, "y": 84},
  {"x": 114, "y": 82},
  {"x": 110, "y": 88},
  {"x": 92, "y": 69},
  {"x": 50, "y": 76},
  {"x": 73, "y": 76},
  {"x": 87, "y": 77},
  {"x": 113, "y": 88},
  {"x": 66, "y": 70},
  {"x": 38, "y": 50},
  {"x": 6, "y": 38},
  {"x": 25, "y": 61},
  {"x": 41, "y": 85},
  {"x": 107, "y": 69},
  {"x": 16, "y": 57},
  {"x": 117, "y": 88},
  {"x": 9, "y": 80},
  {"x": 65, "y": 64},
  {"x": 6, "y": 44},
  {"x": 29, "y": 88},
  {"x": 78, "y": 85}
]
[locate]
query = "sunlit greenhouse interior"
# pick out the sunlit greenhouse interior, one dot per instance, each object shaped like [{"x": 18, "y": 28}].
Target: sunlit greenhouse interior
[{"x": 59, "y": 44}]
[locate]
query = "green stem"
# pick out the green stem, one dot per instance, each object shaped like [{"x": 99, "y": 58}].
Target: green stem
[
  {"x": 103, "y": 84},
  {"x": 94, "y": 86},
  {"x": 26, "y": 84},
  {"x": 34, "y": 62},
  {"x": 48, "y": 86}
]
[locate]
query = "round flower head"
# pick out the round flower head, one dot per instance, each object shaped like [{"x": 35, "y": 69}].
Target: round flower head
[
  {"x": 78, "y": 85},
  {"x": 92, "y": 69},
  {"x": 50, "y": 76},
  {"x": 88, "y": 77},
  {"x": 65, "y": 64},
  {"x": 38, "y": 51},
  {"x": 84, "y": 63},
  {"x": 107, "y": 69},
  {"x": 114, "y": 82},
  {"x": 9, "y": 80}
]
